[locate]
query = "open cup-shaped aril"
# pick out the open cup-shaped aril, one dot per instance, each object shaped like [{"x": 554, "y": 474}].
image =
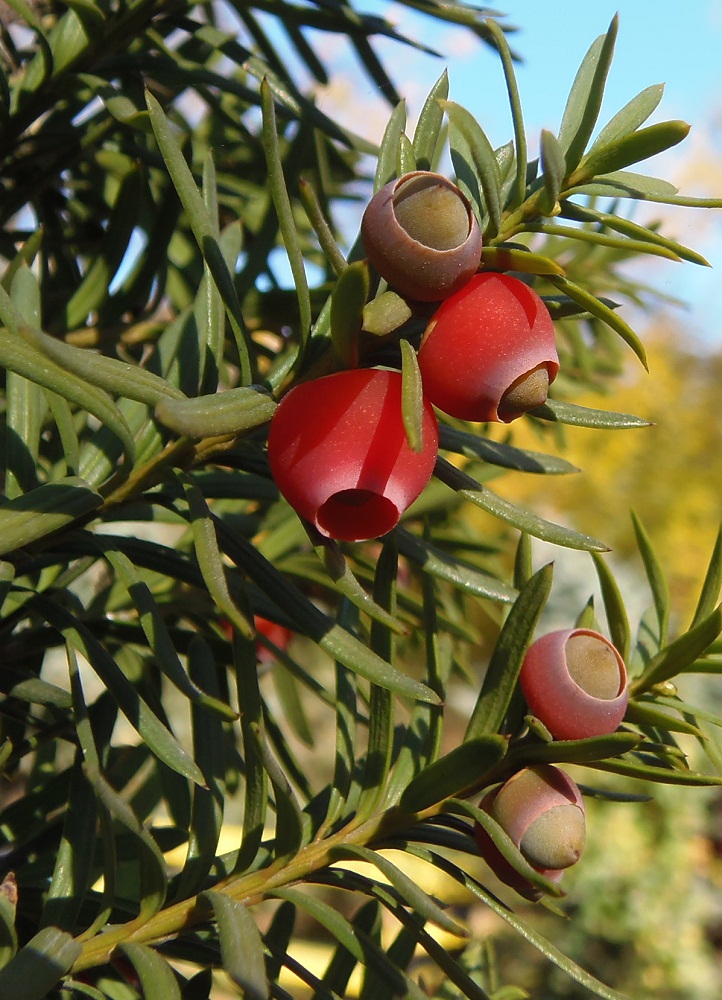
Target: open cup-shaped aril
[
  {"x": 575, "y": 683},
  {"x": 421, "y": 235},
  {"x": 542, "y": 811},
  {"x": 339, "y": 453}
]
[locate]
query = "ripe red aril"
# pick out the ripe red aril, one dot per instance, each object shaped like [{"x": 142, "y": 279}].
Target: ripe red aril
[
  {"x": 339, "y": 454},
  {"x": 488, "y": 352}
]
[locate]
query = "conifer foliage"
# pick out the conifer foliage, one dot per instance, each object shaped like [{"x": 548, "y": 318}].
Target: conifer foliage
[{"x": 235, "y": 643}]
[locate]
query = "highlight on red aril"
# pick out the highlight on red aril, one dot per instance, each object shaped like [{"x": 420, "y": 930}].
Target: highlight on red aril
[
  {"x": 340, "y": 456},
  {"x": 575, "y": 682},
  {"x": 542, "y": 811},
  {"x": 489, "y": 352},
  {"x": 279, "y": 635}
]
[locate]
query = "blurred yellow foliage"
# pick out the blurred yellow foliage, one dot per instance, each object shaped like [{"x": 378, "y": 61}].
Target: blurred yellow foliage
[{"x": 670, "y": 474}]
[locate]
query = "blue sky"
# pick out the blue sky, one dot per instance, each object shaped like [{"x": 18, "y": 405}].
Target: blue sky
[{"x": 658, "y": 42}]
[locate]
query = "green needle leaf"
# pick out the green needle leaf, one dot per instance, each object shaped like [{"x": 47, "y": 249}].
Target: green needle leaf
[
  {"x": 585, "y": 97},
  {"x": 419, "y": 901},
  {"x": 255, "y": 807},
  {"x": 463, "y": 768},
  {"x": 347, "y": 311},
  {"x": 643, "y": 713},
  {"x": 631, "y": 116},
  {"x": 512, "y": 259},
  {"x": 221, "y": 413},
  {"x": 73, "y": 872},
  {"x": 484, "y": 161},
  {"x": 374, "y": 781},
  {"x": 284, "y": 211},
  {"x": 506, "y": 511},
  {"x": 614, "y": 607},
  {"x": 335, "y": 640},
  {"x": 678, "y": 655},
  {"x": 387, "y": 164},
  {"x": 18, "y": 356},
  {"x": 407, "y": 160},
  {"x": 385, "y": 313},
  {"x": 439, "y": 564},
  {"x": 45, "y": 510},
  {"x": 149, "y": 727},
  {"x": 152, "y": 869},
  {"x": 501, "y": 675},
  {"x": 574, "y": 415},
  {"x": 506, "y": 456},
  {"x": 241, "y": 945},
  {"x": 156, "y": 976},
  {"x": 627, "y": 245},
  {"x": 321, "y": 227},
  {"x": 640, "y": 234},
  {"x": 585, "y": 751},
  {"x": 519, "y": 188},
  {"x": 650, "y": 772},
  {"x": 553, "y": 166},
  {"x": 428, "y": 126},
  {"x": 342, "y": 964},
  {"x": 627, "y": 184},
  {"x": 204, "y": 230},
  {"x": 712, "y": 584},
  {"x": 655, "y": 576},
  {"x": 545, "y": 947},
  {"x": 597, "y": 308},
  {"x": 503, "y": 842},
  {"x": 362, "y": 947},
  {"x": 156, "y": 633},
  {"x": 210, "y": 559},
  {"x": 412, "y": 397},
  {"x": 114, "y": 376},
  {"x": 39, "y": 965},
  {"x": 630, "y": 149}
]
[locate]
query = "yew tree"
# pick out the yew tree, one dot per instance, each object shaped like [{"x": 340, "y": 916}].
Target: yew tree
[{"x": 246, "y": 706}]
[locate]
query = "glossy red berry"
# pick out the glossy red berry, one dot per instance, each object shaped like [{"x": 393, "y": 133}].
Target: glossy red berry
[
  {"x": 488, "y": 352},
  {"x": 421, "y": 235},
  {"x": 339, "y": 453},
  {"x": 575, "y": 682},
  {"x": 542, "y": 811}
]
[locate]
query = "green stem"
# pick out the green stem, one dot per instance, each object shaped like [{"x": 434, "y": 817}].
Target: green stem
[
  {"x": 182, "y": 453},
  {"x": 252, "y": 887},
  {"x": 255, "y": 886}
]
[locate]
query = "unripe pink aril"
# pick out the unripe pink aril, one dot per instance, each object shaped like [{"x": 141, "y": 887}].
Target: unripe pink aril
[
  {"x": 339, "y": 454},
  {"x": 575, "y": 682},
  {"x": 542, "y": 811},
  {"x": 421, "y": 235},
  {"x": 488, "y": 352}
]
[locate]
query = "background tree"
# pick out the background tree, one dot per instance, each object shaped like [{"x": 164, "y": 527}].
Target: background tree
[{"x": 177, "y": 801}]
